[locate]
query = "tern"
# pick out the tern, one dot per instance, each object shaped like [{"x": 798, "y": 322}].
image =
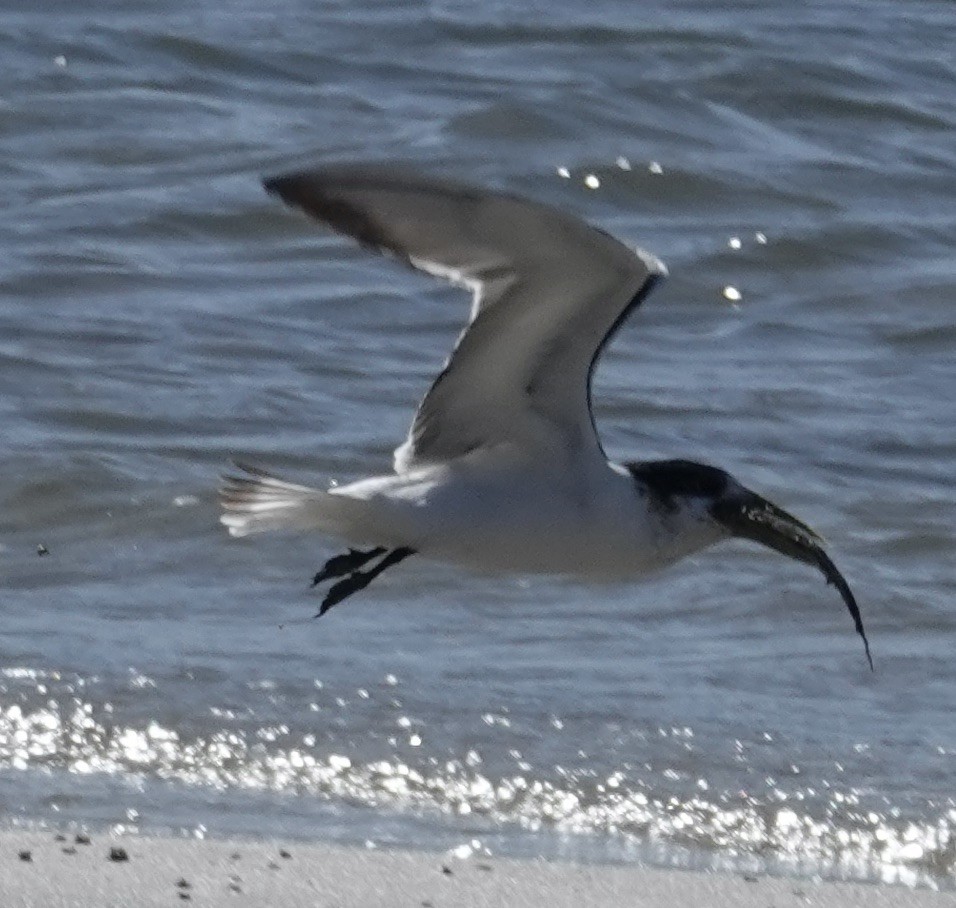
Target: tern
[{"x": 503, "y": 469}]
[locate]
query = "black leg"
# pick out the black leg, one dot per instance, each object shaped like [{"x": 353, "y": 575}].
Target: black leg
[
  {"x": 341, "y": 565},
  {"x": 358, "y": 580}
]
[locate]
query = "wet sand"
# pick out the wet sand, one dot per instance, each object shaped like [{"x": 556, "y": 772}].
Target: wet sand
[{"x": 44, "y": 870}]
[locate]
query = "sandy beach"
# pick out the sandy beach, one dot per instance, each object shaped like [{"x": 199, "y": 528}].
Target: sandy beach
[{"x": 47, "y": 870}]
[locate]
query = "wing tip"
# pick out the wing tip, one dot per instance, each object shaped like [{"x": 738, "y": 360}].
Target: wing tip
[
  {"x": 292, "y": 185},
  {"x": 653, "y": 264},
  {"x": 283, "y": 185}
]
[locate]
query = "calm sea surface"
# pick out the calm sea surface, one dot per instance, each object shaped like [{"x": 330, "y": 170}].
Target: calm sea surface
[{"x": 159, "y": 313}]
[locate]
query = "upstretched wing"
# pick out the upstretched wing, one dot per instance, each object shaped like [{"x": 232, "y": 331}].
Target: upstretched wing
[{"x": 548, "y": 293}]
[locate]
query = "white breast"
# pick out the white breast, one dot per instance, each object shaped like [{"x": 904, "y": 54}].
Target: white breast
[{"x": 496, "y": 511}]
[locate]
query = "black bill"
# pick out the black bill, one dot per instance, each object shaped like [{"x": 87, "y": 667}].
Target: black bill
[{"x": 751, "y": 517}]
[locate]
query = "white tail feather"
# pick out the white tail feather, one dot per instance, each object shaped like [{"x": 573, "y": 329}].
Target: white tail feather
[{"x": 257, "y": 502}]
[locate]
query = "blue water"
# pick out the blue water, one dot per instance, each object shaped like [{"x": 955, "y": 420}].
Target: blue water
[{"x": 159, "y": 313}]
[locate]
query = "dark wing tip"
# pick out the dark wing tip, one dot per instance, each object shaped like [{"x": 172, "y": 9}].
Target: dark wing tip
[
  {"x": 301, "y": 185},
  {"x": 296, "y": 189},
  {"x": 283, "y": 185},
  {"x": 316, "y": 193}
]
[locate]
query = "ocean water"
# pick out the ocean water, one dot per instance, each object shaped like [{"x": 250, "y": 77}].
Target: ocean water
[{"x": 159, "y": 313}]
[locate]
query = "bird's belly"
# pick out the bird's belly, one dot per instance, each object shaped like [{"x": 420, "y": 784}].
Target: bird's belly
[
  {"x": 539, "y": 531},
  {"x": 542, "y": 548},
  {"x": 494, "y": 517}
]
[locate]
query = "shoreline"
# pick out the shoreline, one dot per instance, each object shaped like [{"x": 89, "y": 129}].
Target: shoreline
[{"x": 46, "y": 869}]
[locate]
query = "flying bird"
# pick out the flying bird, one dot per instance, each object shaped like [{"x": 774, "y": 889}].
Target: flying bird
[{"x": 502, "y": 469}]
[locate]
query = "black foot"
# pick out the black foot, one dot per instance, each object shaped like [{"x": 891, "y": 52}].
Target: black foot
[
  {"x": 358, "y": 580},
  {"x": 341, "y": 565}
]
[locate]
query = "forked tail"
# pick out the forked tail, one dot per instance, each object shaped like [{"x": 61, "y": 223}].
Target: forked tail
[{"x": 257, "y": 501}]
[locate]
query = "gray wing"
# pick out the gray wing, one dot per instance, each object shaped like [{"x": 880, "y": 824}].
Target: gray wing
[{"x": 549, "y": 291}]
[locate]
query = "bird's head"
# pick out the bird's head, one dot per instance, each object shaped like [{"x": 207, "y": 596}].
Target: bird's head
[{"x": 736, "y": 511}]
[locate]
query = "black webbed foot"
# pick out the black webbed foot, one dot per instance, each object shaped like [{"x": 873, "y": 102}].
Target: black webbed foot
[
  {"x": 341, "y": 565},
  {"x": 358, "y": 580}
]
